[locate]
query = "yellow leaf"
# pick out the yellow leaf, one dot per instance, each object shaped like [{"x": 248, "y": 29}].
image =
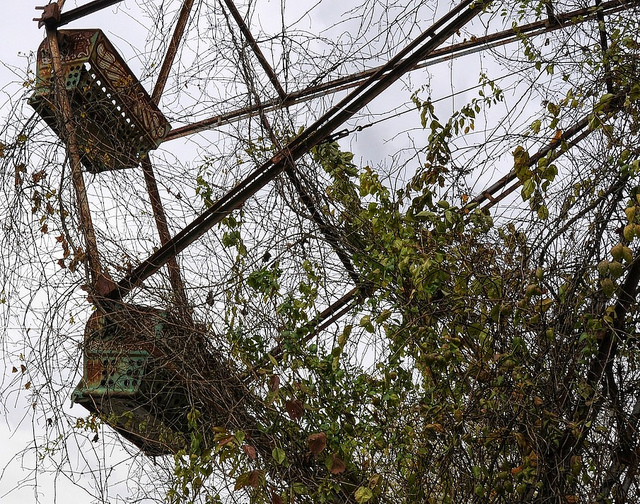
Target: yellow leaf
[
  {"x": 374, "y": 480},
  {"x": 363, "y": 494}
]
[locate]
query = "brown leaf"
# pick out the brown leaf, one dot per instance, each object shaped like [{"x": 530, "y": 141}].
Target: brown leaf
[
  {"x": 317, "y": 443},
  {"x": 23, "y": 368},
  {"x": 18, "y": 170},
  {"x": 276, "y": 499},
  {"x": 38, "y": 176},
  {"x": 337, "y": 464},
  {"x": 250, "y": 451},
  {"x": 14, "y": 369},
  {"x": 274, "y": 383},
  {"x": 295, "y": 409},
  {"x": 252, "y": 479},
  {"x": 27, "y": 385},
  {"x": 226, "y": 440},
  {"x": 255, "y": 477},
  {"x": 435, "y": 427}
]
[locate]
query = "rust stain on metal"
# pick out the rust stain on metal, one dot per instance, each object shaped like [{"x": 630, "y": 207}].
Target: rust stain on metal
[{"x": 117, "y": 123}]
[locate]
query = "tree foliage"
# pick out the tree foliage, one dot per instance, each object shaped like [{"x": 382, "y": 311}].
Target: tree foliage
[{"x": 490, "y": 351}]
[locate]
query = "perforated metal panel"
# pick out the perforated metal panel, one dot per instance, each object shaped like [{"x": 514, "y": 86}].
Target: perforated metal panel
[
  {"x": 130, "y": 380},
  {"x": 117, "y": 123}
]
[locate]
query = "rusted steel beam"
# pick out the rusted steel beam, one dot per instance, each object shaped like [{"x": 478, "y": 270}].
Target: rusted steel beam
[
  {"x": 99, "y": 283},
  {"x": 175, "y": 278},
  {"x": 489, "y": 192},
  {"x": 406, "y": 60},
  {"x": 85, "y": 10},
  {"x": 494, "y": 199},
  {"x": 244, "y": 29},
  {"x": 321, "y": 321},
  {"x": 437, "y": 56},
  {"x": 50, "y": 15},
  {"x": 555, "y": 149},
  {"x": 172, "y": 50},
  {"x": 329, "y": 232}
]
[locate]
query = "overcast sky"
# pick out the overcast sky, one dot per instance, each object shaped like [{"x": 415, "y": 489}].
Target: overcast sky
[{"x": 21, "y": 37}]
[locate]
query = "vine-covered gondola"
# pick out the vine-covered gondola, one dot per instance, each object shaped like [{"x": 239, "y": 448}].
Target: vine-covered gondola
[{"x": 116, "y": 121}]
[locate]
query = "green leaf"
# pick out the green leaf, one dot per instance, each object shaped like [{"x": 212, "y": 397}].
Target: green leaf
[
  {"x": 231, "y": 238},
  {"x": 300, "y": 489},
  {"x": 535, "y": 126},
  {"x": 383, "y": 316},
  {"x": 278, "y": 455},
  {"x": 521, "y": 161},
  {"x": 243, "y": 481},
  {"x": 366, "y": 323},
  {"x": 543, "y": 212},
  {"x": 604, "y": 102},
  {"x": 344, "y": 336},
  {"x": 553, "y": 109},
  {"x": 363, "y": 494},
  {"x": 528, "y": 188}
]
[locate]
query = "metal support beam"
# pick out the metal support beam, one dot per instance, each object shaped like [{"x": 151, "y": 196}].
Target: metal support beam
[
  {"x": 437, "y": 56},
  {"x": 172, "y": 50},
  {"x": 246, "y": 33},
  {"x": 175, "y": 278},
  {"x": 490, "y": 192},
  {"x": 556, "y": 148},
  {"x": 99, "y": 283},
  {"x": 405, "y": 61},
  {"x": 330, "y": 233},
  {"x": 177, "y": 285},
  {"x": 85, "y": 10},
  {"x": 321, "y": 321}
]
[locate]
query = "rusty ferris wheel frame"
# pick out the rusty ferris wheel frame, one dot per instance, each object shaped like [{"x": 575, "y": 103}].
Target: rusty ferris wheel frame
[{"x": 365, "y": 86}]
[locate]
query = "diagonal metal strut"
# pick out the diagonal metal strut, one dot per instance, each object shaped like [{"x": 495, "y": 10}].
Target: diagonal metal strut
[
  {"x": 406, "y": 60},
  {"x": 473, "y": 45},
  {"x": 331, "y": 234},
  {"x": 160, "y": 217}
]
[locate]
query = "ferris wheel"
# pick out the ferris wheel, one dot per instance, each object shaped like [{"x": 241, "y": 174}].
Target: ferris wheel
[
  {"x": 91, "y": 99},
  {"x": 146, "y": 368}
]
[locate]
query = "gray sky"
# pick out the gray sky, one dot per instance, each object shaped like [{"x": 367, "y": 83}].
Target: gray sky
[{"x": 21, "y": 37}]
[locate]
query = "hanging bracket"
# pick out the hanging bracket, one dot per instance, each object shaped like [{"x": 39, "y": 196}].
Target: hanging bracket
[{"x": 50, "y": 15}]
